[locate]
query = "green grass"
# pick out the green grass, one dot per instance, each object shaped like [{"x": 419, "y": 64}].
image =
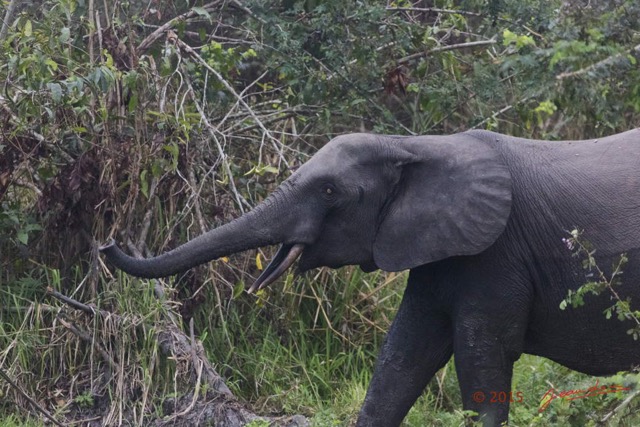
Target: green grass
[{"x": 306, "y": 346}]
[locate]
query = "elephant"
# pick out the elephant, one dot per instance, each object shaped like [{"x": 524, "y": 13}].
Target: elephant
[{"x": 480, "y": 220}]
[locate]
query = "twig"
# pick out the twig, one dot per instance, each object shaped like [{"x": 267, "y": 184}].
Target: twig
[
  {"x": 194, "y": 355},
  {"x": 196, "y": 35},
  {"x": 24, "y": 394},
  {"x": 602, "y": 277},
  {"x": 238, "y": 117},
  {"x": 196, "y": 200},
  {"x": 418, "y": 55},
  {"x": 188, "y": 49},
  {"x": 92, "y": 31},
  {"x": 540, "y": 36},
  {"x": 198, "y": 365},
  {"x": 89, "y": 339},
  {"x": 70, "y": 301},
  {"x": 245, "y": 9},
  {"x": 285, "y": 116},
  {"x": 501, "y": 111},
  {"x": 448, "y": 12},
  {"x": 624, "y": 403},
  {"x": 8, "y": 16},
  {"x": 241, "y": 95},
  {"x": 146, "y": 220},
  {"x": 99, "y": 31},
  {"x": 324, "y": 313},
  {"x": 174, "y": 342},
  {"x": 133, "y": 248},
  {"x": 225, "y": 163},
  {"x": 434, "y": 10}
]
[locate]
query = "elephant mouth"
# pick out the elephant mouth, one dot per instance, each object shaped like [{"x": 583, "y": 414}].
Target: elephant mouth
[{"x": 286, "y": 256}]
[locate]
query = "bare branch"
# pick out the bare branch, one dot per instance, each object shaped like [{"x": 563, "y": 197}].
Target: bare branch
[
  {"x": 146, "y": 221},
  {"x": 188, "y": 49},
  {"x": 612, "y": 60},
  {"x": 449, "y": 12},
  {"x": 196, "y": 201},
  {"x": 24, "y": 394},
  {"x": 501, "y": 111},
  {"x": 433, "y": 10},
  {"x": 151, "y": 38},
  {"x": 225, "y": 163},
  {"x": 8, "y": 16},
  {"x": 83, "y": 335},
  {"x": 418, "y": 55},
  {"x": 71, "y": 302},
  {"x": 621, "y": 406}
]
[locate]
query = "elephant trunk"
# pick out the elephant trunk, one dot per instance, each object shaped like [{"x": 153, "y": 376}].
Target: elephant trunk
[{"x": 252, "y": 230}]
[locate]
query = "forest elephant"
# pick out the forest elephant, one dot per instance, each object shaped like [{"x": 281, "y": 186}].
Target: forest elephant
[{"x": 481, "y": 220}]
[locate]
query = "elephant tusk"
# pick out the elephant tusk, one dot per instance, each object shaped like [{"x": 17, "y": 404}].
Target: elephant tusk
[
  {"x": 285, "y": 257},
  {"x": 282, "y": 253}
]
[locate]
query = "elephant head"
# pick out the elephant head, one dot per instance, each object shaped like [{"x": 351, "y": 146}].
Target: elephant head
[{"x": 385, "y": 202}]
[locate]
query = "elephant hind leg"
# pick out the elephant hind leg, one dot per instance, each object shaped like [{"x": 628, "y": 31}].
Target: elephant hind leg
[
  {"x": 484, "y": 359},
  {"x": 487, "y": 391},
  {"x": 419, "y": 343}
]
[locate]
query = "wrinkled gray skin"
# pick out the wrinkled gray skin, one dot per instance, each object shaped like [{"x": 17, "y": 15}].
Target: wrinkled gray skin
[{"x": 479, "y": 218}]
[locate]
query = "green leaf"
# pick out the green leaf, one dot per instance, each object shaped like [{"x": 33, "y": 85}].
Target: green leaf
[
  {"x": 56, "y": 91},
  {"x": 508, "y": 36},
  {"x": 174, "y": 150},
  {"x": 133, "y": 101},
  {"x": 250, "y": 53},
  {"x": 53, "y": 65},
  {"x": 65, "y": 35},
  {"x": 238, "y": 289},
  {"x": 270, "y": 169},
  {"x": 202, "y": 12},
  {"x": 144, "y": 185},
  {"x": 546, "y": 107},
  {"x": 28, "y": 28},
  {"x": 518, "y": 40},
  {"x": 23, "y": 236},
  {"x": 108, "y": 58}
]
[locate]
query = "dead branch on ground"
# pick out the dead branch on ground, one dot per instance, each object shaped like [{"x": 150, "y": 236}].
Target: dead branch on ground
[{"x": 221, "y": 407}]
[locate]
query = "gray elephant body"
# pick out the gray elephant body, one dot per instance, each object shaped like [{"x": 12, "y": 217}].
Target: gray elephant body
[{"x": 480, "y": 219}]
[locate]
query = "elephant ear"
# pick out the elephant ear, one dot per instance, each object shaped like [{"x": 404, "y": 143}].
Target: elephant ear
[{"x": 453, "y": 197}]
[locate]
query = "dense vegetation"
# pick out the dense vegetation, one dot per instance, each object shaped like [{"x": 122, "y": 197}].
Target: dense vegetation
[{"x": 151, "y": 122}]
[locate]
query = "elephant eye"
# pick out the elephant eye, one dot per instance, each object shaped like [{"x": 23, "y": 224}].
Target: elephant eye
[{"x": 328, "y": 190}]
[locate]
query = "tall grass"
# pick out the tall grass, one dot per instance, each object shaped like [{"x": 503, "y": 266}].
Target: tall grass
[{"x": 307, "y": 345}]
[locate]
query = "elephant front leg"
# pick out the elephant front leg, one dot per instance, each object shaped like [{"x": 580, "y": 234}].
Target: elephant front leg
[{"x": 418, "y": 344}]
